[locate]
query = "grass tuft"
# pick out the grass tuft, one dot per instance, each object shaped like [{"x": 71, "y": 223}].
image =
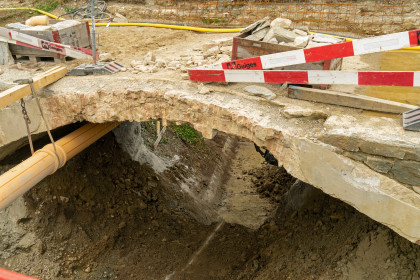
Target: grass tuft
[{"x": 46, "y": 5}]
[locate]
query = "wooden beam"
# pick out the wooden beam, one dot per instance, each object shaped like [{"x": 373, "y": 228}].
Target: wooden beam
[
  {"x": 16, "y": 93},
  {"x": 349, "y": 100}
]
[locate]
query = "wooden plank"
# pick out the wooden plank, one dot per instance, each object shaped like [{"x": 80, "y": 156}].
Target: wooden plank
[
  {"x": 349, "y": 100},
  {"x": 16, "y": 93}
]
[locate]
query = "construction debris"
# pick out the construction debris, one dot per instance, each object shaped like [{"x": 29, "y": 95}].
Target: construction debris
[
  {"x": 279, "y": 31},
  {"x": 50, "y": 40},
  {"x": 411, "y": 120}
]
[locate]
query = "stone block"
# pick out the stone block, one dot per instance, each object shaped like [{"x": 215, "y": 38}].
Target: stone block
[
  {"x": 283, "y": 35},
  {"x": 301, "y": 41},
  {"x": 5, "y": 55},
  {"x": 299, "y": 112},
  {"x": 300, "y": 32},
  {"x": 326, "y": 39},
  {"x": 260, "y": 91},
  {"x": 281, "y": 22},
  {"x": 260, "y": 34},
  {"x": 407, "y": 172},
  {"x": 378, "y": 164}
]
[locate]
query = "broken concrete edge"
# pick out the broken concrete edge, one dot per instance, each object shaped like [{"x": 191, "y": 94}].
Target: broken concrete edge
[
  {"x": 377, "y": 196},
  {"x": 311, "y": 161}
]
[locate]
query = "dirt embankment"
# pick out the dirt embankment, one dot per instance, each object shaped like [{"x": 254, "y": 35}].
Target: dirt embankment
[{"x": 103, "y": 216}]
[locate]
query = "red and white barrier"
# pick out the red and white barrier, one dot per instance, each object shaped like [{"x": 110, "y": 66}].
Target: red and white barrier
[
  {"x": 9, "y": 275},
  {"x": 18, "y": 38},
  {"x": 369, "y": 78},
  {"x": 382, "y": 43}
]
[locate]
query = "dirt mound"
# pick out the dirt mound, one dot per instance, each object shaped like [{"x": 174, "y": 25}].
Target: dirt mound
[{"x": 103, "y": 216}]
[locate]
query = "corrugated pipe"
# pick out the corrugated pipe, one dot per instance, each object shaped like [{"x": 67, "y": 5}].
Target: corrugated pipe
[{"x": 44, "y": 162}]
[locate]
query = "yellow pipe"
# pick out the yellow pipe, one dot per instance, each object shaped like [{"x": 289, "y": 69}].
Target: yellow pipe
[
  {"x": 44, "y": 162},
  {"x": 180, "y": 27}
]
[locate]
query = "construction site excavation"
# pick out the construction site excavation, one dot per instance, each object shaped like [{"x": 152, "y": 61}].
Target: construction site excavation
[{"x": 204, "y": 140}]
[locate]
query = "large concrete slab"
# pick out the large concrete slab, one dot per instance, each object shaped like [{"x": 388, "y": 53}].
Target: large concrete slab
[{"x": 338, "y": 150}]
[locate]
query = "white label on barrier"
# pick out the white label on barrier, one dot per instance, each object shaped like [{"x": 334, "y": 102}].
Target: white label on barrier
[
  {"x": 381, "y": 43},
  {"x": 333, "y": 77},
  {"x": 25, "y": 38},
  {"x": 244, "y": 76},
  {"x": 283, "y": 59},
  {"x": 416, "y": 79},
  {"x": 75, "y": 53}
]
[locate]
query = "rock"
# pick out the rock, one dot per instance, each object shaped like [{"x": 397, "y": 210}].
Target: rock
[
  {"x": 407, "y": 172},
  {"x": 185, "y": 76},
  {"x": 141, "y": 68},
  {"x": 173, "y": 63},
  {"x": 160, "y": 63},
  {"x": 203, "y": 89},
  {"x": 224, "y": 42},
  {"x": 226, "y": 50},
  {"x": 6, "y": 57},
  {"x": 269, "y": 35},
  {"x": 300, "y": 32},
  {"x": 213, "y": 51},
  {"x": 260, "y": 92},
  {"x": 299, "y": 112},
  {"x": 273, "y": 41},
  {"x": 1, "y": 71},
  {"x": 149, "y": 58},
  {"x": 326, "y": 39},
  {"x": 252, "y": 37},
  {"x": 312, "y": 44},
  {"x": 254, "y": 25},
  {"x": 208, "y": 46},
  {"x": 120, "y": 18},
  {"x": 223, "y": 58},
  {"x": 378, "y": 164},
  {"x": 88, "y": 269},
  {"x": 135, "y": 63},
  {"x": 283, "y": 35},
  {"x": 105, "y": 57},
  {"x": 260, "y": 34},
  {"x": 416, "y": 189},
  {"x": 27, "y": 241},
  {"x": 301, "y": 41},
  {"x": 281, "y": 22},
  {"x": 154, "y": 69},
  {"x": 299, "y": 195}
]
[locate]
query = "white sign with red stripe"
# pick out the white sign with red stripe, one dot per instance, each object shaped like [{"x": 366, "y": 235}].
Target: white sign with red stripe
[
  {"x": 368, "y": 78},
  {"x": 18, "y": 38},
  {"x": 382, "y": 43}
]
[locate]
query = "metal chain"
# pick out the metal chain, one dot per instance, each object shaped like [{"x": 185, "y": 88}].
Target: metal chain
[
  {"x": 45, "y": 121},
  {"x": 27, "y": 122}
]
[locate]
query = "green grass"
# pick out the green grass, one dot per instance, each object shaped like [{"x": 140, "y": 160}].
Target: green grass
[
  {"x": 188, "y": 135},
  {"x": 46, "y": 5},
  {"x": 69, "y": 10}
]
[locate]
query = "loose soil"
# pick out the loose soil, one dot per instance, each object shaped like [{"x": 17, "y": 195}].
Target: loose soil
[{"x": 103, "y": 217}]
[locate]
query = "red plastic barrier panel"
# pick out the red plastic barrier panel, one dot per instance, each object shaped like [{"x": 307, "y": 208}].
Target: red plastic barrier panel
[{"x": 10, "y": 275}]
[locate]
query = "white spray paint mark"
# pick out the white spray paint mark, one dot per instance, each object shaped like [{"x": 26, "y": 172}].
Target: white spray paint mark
[{"x": 198, "y": 252}]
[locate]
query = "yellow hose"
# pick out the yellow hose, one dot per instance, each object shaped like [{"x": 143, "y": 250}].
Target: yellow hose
[{"x": 180, "y": 27}]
